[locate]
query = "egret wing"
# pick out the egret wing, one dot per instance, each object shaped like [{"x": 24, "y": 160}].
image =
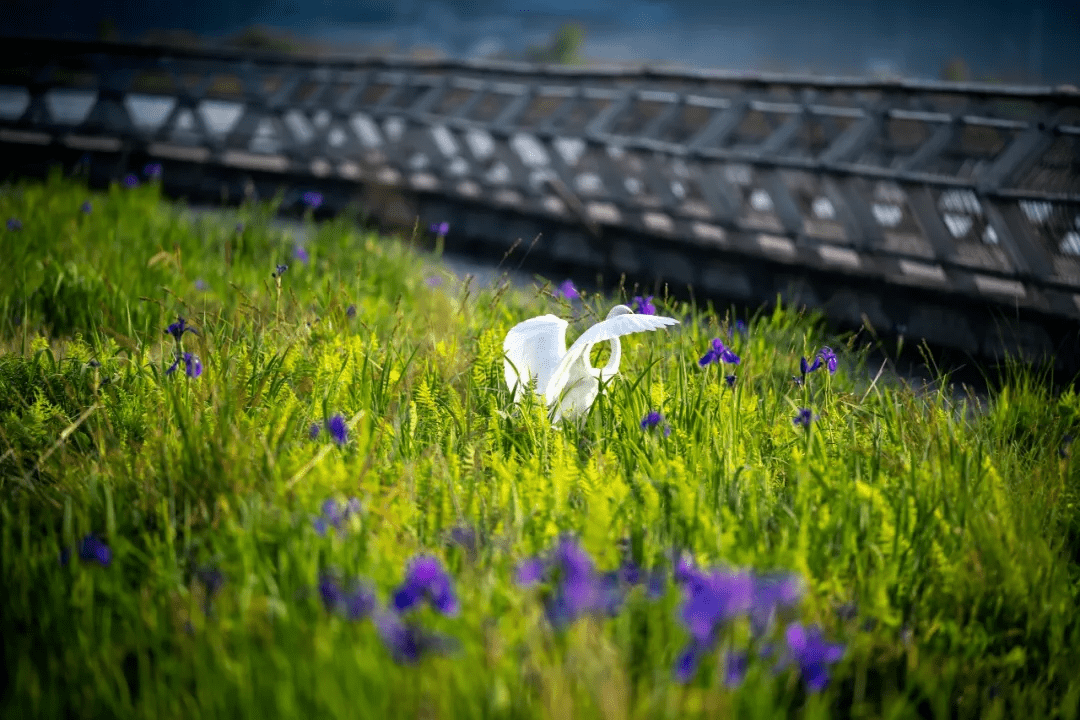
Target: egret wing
[
  {"x": 533, "y": 348},
  {"x": 572, "y": 363}
]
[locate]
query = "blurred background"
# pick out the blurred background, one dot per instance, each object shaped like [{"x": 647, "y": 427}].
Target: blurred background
[{"x": 995, "y": 40}]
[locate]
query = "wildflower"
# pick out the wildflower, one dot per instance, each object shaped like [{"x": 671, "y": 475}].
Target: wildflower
[
  {"x": 333, "y": 515},
  {"x": 279, "y": 271},
  {"x": 200, "y": 285},
  {"x": 433, "y": 281},
  {"x": 804, "y": 417},
  {"x": 735, "y": 668},
  {"x": 408, "y": 642},
  {"x": 93, "y": 549},
  {"x": 651, "y": 420},
  {"x": 192, "y": 365},
  {"x": 152, "y": 170},
  {"x": 338, "y": 429},
  {"x": 530, "y": 572},
  {"x": 441, "y": 229},
  {"x": 131, "y": 180},
  {"x": 771, "y": 593},
  {"x": 330, "y": 592},
  {"x": 465, "y": 537},
  {"x": 567, "y": 290},
  {"x": 350, "y": 312},
  {"x": 178, "y": 328},
  {"x": 313, "y": 199},
  {"x": 738, "y": 327},
  {"x": 656, "y": 584},
  {"x": 359, "y": 602},
  {"x": 577, "y": 588},
  {"x": 806, "y": 368},
  {"x": 714, "y": 599},
  {"x": 686, "y": 665},
  {"x": 719, "y": 353},
  {"x": 314, "y": 431},
  {"x": 807, "y": 648},
  {"x": 426, "y": 578},
  {"x": 644, "y": 306},
  {"x": 730, "y": 380},
  {"x": 14, "y": 224},
  {"x": 87, "y": 208},
  {"x": 301, "y": 254},
  {"x": 831, "y": 361}
]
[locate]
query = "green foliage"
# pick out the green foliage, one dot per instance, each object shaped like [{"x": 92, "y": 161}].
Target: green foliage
[
  {"x": 564, "y": 48},
  {"x": 939, "y": 541}
]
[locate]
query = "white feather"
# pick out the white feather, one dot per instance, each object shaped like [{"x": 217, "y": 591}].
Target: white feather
[{"x": 565, "y": 378}]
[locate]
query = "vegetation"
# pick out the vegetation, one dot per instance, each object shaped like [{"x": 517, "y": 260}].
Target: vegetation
[{"x": 313, "y": 496}]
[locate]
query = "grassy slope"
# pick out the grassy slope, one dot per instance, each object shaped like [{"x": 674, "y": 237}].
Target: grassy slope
[{"x": 949, "y": 541}]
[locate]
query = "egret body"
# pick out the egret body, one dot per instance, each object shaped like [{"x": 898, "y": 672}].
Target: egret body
[{"x": 535, "y": 350}]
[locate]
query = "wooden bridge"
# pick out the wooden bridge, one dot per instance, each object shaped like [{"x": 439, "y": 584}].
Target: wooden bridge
[{"x": 943, "y": 211}]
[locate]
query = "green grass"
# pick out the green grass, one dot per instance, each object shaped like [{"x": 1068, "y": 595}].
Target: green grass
[{"x": 940, "y": 546}]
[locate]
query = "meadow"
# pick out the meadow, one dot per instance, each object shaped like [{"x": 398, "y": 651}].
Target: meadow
[{"x": 230, "y": 488}]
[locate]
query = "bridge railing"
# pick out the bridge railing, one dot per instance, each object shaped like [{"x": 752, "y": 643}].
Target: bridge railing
[{"x": 968, "y": 189}]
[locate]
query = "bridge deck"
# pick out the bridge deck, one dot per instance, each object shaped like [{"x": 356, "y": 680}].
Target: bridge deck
[{"x": 967, "y": 196}]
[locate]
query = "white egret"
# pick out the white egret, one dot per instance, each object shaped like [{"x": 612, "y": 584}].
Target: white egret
[{"x": 536, "y": 350}]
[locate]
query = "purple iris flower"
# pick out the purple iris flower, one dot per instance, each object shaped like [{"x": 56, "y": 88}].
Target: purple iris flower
[
  {"x": 831, "y": 361},
  {"x": 807, "y": 648},
  {"x": 313, "y": 199},
  {"x": 192, "y": 365},
  {"x": 87, "y": 208},
  {"x": 131, "y": 180},
  {"x": 644, "y": 306},
  {"x": 686, "y": 665},
  {"x": 719, "y": 353},
  {"x": 805, "y": 368},
  {"x": 338, "y": 429},
  {"x": 350, "y": 312},
  {"x": 739, "y": 327},
  {"x": 735, "y": 668},
  {"x": 279, "y": 271},
  {"x": 651, "y": 420},
  {"x": 426, "y": 578},
  {"x": 771, "y": 593},
  {"x": 530, "y": 572},
  {"x": 804, "y": 417},
  {"x": 441, "y": 229},
  {"x": 14, "y": 224},
  {"x": 576, "y": 588},
  {"x": 152, "y": 170},
  {"x": 301, "y": 254},
  {"x": 465, "y": 537},
  {"x": 730, "y": 380},
  {"x": 330, "y": 592},
  {"x": 93, "y": 549},
  {"x": 314, "y": 430},
  {"x": 178, "y": 328},
  {"x": 359, "y": 601},
  {"x": 685, "y": 569},
  {"x": 714, "y": 599},
  {"x": 333, "y": 515},
  {"x": 567, "y": 290},
  {"x": 407, "y": 642}
]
